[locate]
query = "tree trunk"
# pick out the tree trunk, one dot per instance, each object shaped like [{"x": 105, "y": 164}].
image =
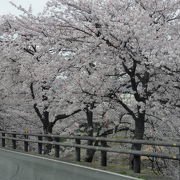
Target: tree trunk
[
  {"x": 135, "y": 160},
  {"x": 89, "y": 152},
  {"x": 47, "y": 128}
]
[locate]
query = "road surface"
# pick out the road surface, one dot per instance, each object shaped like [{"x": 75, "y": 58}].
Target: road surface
[{"x": 19, "y": 166}]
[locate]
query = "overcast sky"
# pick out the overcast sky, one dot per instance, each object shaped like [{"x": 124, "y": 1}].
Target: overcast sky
[{"x": 6, "y": 7}]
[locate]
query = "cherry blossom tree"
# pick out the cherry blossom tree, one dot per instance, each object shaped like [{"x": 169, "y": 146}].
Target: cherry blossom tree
[
  {"x": 37, "y": 66},
  {"x": 103, "y": 51},
  {"x": 133, "y": 46}
]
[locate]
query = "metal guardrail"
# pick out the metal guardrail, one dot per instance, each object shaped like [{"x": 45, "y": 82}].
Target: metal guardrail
[{"x": 56, "y": 142}]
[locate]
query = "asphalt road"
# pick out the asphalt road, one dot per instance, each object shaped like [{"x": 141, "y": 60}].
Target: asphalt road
[{"x": 19, "y": 166}]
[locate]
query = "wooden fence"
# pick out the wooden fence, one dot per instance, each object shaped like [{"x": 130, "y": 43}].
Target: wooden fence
[{"x": 103, "y": 148}]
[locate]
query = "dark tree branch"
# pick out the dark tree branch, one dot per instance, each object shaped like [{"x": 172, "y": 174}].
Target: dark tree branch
[
  {"x": 38, "y": 112},
  {"x": 29, "y": 51},
  {"x": 64, "y": 116},
  {"x": 125, "y": 107},
  {"x": 35, "y": 104},
  {"x": 32, "y": 90}
]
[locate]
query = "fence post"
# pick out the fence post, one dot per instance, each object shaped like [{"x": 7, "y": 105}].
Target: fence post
[
  {"x": 39, "y": 145},
  {"x": 78, "y": 150},
  {"x": 103, "y": 154},
  {"x": 14, "y": 141},
  {"x": 57, "y": 149},
  {"x": 25, "y": 143},
  {"x": 3, "y": 140}
]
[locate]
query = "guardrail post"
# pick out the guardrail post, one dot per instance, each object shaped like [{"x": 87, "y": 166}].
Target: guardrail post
[
  {"x": 78, "y": 150},
  {"x": 103, "y": 154},
  {"x": 39, "y": 145},
  {"x": 25, "y": 143},
  {"x": 14, "y": 141},
  {"x": 3, "y": 140},
  {"x": 57, "y": 148}
]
